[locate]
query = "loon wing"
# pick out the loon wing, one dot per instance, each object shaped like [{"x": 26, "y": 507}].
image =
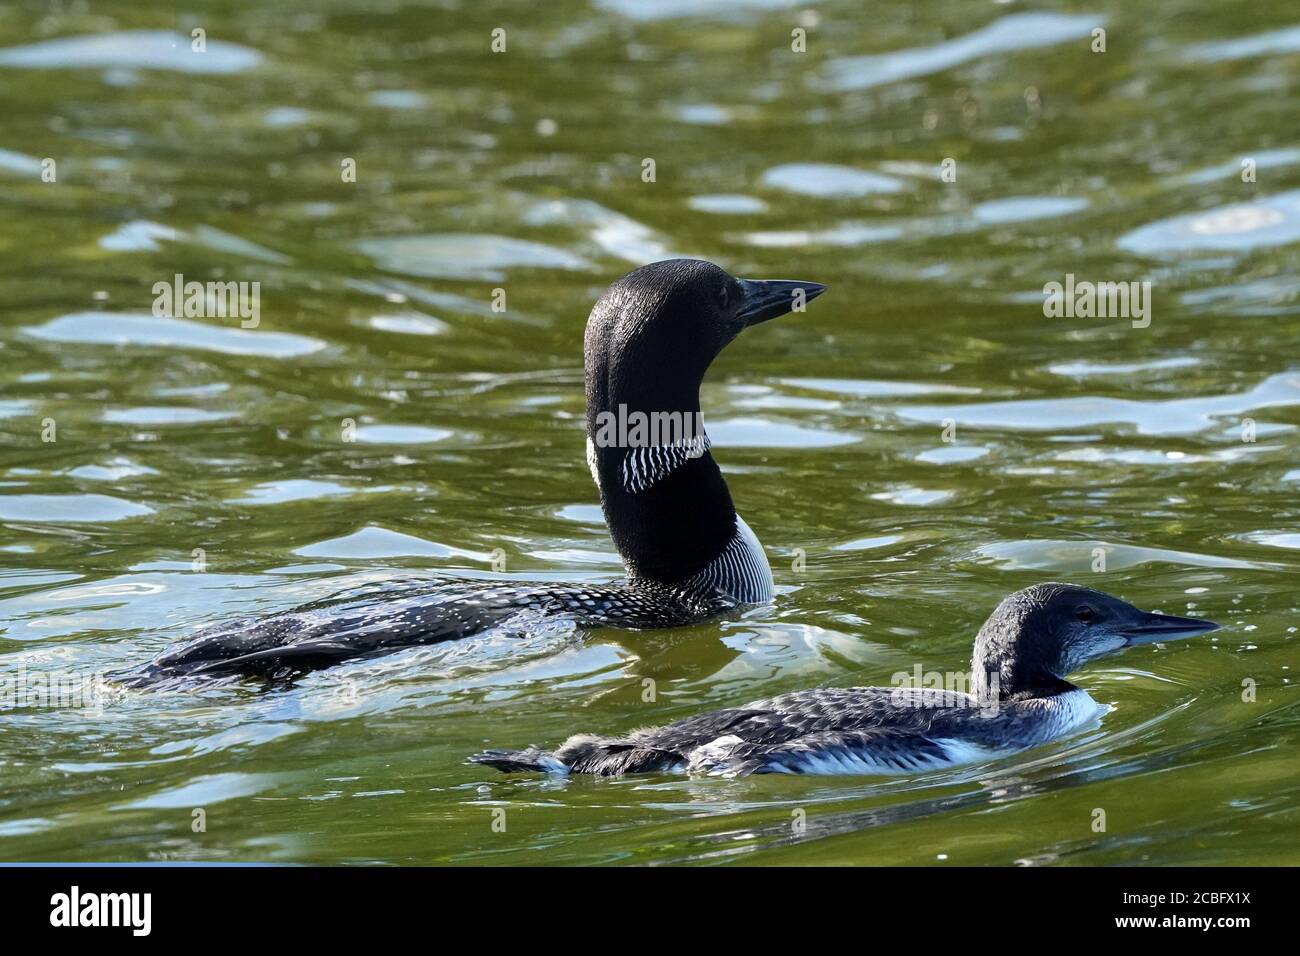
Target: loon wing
[
  {"x": 828, "y": 730},
  {"x": 811, "y": 732},
  {"x": 782, "y": 719},
  {"x": 299, "y": 658},
  {"x": 833, "y": 730}
]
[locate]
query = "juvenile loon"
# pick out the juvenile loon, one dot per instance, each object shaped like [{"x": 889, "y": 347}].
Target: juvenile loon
[
  {"x": 1020, "y": 699},
  {"x": 650, "y": 339}
]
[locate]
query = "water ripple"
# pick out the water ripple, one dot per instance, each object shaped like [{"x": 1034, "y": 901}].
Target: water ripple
[
  {"x": 132, "y": 49},
  {"x": 1020, "y": 31},
  {"x": 1269, "y": 221},
  {"x": 1179, "y": 416},
  {"x": 464, "y": 255},
  {"x": 119, "y": 328}
]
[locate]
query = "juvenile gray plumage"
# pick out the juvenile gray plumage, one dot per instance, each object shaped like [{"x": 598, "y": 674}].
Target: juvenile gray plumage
[{"x": 1020, "y": 700}]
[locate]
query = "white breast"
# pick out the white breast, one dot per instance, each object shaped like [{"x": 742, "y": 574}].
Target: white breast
[{"x": 1069, "y": 712}]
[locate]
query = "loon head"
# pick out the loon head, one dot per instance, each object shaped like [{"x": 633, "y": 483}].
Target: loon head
[
  {"x": 1037, "y": 636},
  {"x": 650, "y": 338},
  {"x": 653, "y": 334}
]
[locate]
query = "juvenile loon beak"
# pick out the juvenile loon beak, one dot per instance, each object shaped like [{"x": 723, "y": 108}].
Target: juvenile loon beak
[
  {"x": 767, "y": 298},
  {"x": 1164, "y": 627}
]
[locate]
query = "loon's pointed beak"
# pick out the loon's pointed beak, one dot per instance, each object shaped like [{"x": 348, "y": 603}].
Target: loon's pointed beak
[
  {"x": 765, "y": 299},
  {"x": 1150, "y": 628}
]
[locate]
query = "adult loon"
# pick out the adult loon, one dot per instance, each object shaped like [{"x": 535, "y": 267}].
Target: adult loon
[
  {"x": 649, "y": 340},
  {"x": 1020, "y": 699}
]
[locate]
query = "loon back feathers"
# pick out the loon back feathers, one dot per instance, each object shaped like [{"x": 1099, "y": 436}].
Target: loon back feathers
[{"x": 285, "y": 646}]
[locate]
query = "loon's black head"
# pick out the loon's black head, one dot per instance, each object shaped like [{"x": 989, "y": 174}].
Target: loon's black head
[
  {"x": 1037, "y": 636},
  {"x": 654, "y": 332}
]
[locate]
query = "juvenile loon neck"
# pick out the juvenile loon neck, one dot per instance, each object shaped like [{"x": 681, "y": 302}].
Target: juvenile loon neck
[{"x": 1014, "y": 677}]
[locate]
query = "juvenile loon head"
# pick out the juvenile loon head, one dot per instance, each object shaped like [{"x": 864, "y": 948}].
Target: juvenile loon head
[
  {"x": 650, "y": 338},
  {"x": 1037, "y": 636}
]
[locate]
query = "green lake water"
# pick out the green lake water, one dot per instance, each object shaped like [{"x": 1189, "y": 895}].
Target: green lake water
[{"x": 922, "y": 441}]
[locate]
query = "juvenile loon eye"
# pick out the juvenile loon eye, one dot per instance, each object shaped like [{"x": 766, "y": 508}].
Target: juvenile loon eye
[{"x": 1084, "y": 613}]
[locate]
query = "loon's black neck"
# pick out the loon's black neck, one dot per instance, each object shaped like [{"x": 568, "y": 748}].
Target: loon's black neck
[
  {"x": 650, "y": 338},
  {"x": 665, "y": 501}
]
